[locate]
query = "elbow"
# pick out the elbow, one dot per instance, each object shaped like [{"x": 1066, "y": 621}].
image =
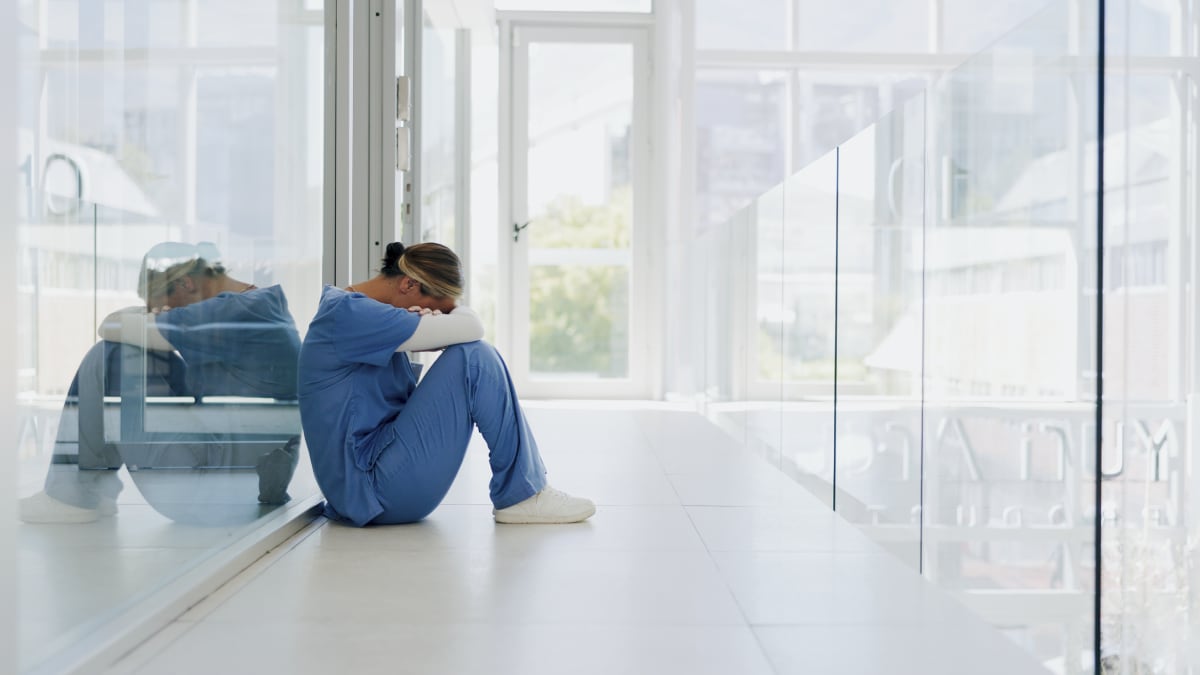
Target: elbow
[
  {"x": 109, "y": 331},
  {"x": 476, "y": 330}
]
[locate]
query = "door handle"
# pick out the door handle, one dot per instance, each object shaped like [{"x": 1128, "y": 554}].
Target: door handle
[{"x": 517, "y": 229}]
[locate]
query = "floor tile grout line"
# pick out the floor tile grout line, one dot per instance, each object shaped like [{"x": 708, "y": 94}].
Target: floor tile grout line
[
  {"x": 762, "y": 650},
  {"x": 732, "y": 596}
]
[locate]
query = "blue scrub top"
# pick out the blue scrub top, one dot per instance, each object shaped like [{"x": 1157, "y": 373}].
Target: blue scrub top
[
  {"x": 236, "y": 344},
  {"x": 353, "y": 383}
]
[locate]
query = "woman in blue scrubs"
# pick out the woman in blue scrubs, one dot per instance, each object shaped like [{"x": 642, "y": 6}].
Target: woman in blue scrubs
[{"x": 385, "y": 449}]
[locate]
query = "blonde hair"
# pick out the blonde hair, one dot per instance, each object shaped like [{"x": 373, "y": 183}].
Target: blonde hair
[
  {"x": 167, "y": 263},
  {"x": 434, "y": 266}
]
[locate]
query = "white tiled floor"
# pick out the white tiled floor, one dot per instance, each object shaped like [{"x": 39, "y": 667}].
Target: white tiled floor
[
  {"x": 75, "y": 578},
  {"x": 700, "y": 559}
]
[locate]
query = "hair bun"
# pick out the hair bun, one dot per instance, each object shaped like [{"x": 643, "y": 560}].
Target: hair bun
[{"x": 392, "y": 255}]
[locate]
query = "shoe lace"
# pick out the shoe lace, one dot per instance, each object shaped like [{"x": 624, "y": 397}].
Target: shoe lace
[{"x": 553, "y": 495}]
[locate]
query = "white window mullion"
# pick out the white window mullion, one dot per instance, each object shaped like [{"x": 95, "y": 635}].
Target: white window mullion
[
  {"x": 379, "y": 127},
  {"x": 505, "y": 145},
  {"x": 414, "y": 24},
  {"x": 355, "y": 192},
  {"x": 518, "y": 330},
  {"x": 462, "y": 146},
  {"x": 335, "y": 106}
]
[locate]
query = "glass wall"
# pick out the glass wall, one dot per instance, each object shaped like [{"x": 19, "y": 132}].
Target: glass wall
[
  {"x": 778, "y": 87},
  {"x": 1010, "y": 368},
  {"x": 169, "y": 259},
  {"x": 806, "y": 312},
  {"x": 1150, "y": 507},
  {"x": 979, "y": 310},
  {"x": 880, "y": 241}
]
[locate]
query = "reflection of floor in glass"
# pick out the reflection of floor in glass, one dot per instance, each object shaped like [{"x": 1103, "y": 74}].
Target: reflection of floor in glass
[{"x": 73, "y": 578}]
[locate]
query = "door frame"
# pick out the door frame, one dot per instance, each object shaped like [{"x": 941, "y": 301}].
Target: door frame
[{"x": 517, "y": 29}]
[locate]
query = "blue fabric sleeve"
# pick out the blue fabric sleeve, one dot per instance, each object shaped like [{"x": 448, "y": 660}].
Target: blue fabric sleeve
[
  {"x": 236, "y": 344},
  {"x": 378, "y": 330},
  {"x": 197, "y": 330}
]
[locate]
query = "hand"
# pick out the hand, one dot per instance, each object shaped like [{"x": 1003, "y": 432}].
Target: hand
[{"x": 424, "y": 311}]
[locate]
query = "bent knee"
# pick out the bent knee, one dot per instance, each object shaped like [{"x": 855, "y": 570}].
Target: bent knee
[
  {"x": 471, "y": 346},
  {"x": 477, "y": 348}
]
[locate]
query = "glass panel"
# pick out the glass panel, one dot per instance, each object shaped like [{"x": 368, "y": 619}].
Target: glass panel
[
  {"x": 223, "y": 23},
  {"x": 1008, "y": 339},
  {"x": 764, "y": 344},
  {"x": 642, "y": 6},
  {"x": 1151, "y": 377},
  {"x": 881, "y": 180},
  {"x": 809, "y": 267},
  {"x": 185, "y": 180},
  {"x": 725, "y": 24},
  {"x": 741, "y": 139},
  {"x": 482, "y": 278},
  {"x": 969, "y": 27},
  {"x": 438, "y": 142},
  {"x": 577, "y": 313},
  {"x": 836, "y": 105},
  {"x": 863, "y": 25},
  {"x": 581, "y": 219},
  {"x": 728, "y": 258}
]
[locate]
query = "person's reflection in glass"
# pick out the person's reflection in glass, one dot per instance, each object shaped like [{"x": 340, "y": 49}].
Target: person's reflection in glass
[{"x": 201, "y": 332}]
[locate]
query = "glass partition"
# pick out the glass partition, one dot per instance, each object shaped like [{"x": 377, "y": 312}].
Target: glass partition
[
  {"x": 764, "y": 344},
  {"x": 881, "y": 178},
  {"x": 726, "y": 358},
  {"x": 1009, "y": 365},
  {"x": 931, "y": 342},
  {"x": 725, "y": 24},
  {"x": 807, "y": 312},
  {"x": 439, "y": 139},
  {"x": 1149, "y": 618},
  {"x": 894, "y": 26},
  {"x": 170, "y": 258}
]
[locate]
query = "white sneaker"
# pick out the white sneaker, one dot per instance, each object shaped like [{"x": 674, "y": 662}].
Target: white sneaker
[
  {"x": 547, "y": 506},
  {"x": 42, "y": 509}
]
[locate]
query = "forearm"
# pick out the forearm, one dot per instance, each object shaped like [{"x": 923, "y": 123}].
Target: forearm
[
  {"x": 437, "y": 331},
  {"x": 134, "y": 326}
]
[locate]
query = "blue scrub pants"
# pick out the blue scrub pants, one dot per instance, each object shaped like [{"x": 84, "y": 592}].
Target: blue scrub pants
[
  {"x": 83, "y": 468},
  {"x": 468, "y": 386}
]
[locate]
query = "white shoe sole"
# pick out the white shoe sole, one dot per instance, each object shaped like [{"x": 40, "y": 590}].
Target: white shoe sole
[{"x": 542, "y": 519}]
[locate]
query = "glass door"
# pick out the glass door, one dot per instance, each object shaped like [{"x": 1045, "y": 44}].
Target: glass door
[{"x": 575, "y": 236}]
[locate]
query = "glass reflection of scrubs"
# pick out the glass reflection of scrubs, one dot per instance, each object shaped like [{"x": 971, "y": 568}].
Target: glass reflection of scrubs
[{"x": 201, "y": 333}]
